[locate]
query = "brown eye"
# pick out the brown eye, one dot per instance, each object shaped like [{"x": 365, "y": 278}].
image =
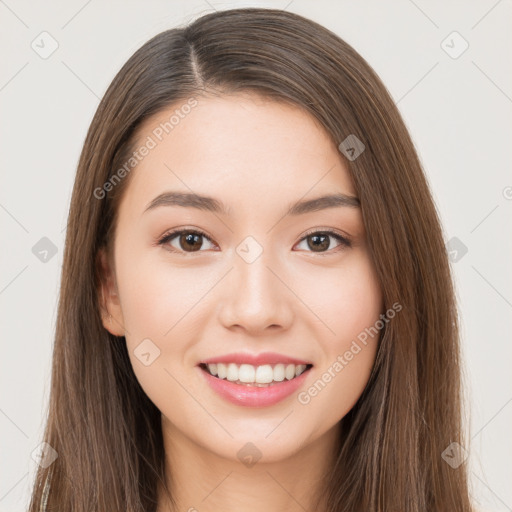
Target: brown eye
[
  {"x": 185, "y": 240},
  {"x": 191, "y": 241},
  {"x": 320, "y": 241}
]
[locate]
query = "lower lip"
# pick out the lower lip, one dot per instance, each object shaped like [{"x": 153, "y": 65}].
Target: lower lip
[{"x": 253, "y": 396}]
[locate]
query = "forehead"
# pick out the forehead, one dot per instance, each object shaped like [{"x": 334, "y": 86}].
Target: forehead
[{"x": 242, "y": 148}]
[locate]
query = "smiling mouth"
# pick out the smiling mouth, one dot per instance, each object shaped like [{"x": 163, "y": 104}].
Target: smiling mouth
[{"x": 255, "y": 376}]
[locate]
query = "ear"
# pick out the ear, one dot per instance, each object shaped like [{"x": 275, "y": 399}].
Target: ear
[{"x": 108, "y": 297}]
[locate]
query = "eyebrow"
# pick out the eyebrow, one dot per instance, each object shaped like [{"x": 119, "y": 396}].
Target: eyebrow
[{"x": 210, "y": 204}]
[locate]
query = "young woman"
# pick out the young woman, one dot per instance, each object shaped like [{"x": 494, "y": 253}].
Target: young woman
[{"x": 256, "y": 308}]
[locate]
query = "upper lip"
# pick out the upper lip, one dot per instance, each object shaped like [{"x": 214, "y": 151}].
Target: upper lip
[{"x": 255, "y": 359}]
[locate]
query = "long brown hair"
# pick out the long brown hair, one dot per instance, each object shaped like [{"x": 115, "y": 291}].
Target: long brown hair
[{"x": 106, "y": 431}]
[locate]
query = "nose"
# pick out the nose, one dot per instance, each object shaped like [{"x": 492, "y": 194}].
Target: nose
[{"x": 255, "y": 297}]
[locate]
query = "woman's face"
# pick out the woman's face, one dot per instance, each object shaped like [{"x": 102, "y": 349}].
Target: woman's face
[{"x": 263, "y": 289}]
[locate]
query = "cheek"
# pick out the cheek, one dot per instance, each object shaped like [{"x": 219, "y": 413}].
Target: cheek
[
  {"x": 157, "y": 296},
  {"x": 359, "y": 308},
  {"x": 158, "y": 311},
  {"x": 352, "y": 305},
  {"x": 360, "y": 301},
  {"x": 164, "y": 303},
  {"x": 347, "y": 300}
]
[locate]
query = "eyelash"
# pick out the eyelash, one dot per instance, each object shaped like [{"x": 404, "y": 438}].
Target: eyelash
[{"x": 344, "y": 241}]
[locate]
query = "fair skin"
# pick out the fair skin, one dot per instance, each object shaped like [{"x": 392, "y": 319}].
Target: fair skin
[{"x": 258, "y": 157}]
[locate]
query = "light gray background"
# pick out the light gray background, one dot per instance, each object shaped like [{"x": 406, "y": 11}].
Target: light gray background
[{"x": 457, "y": 109}]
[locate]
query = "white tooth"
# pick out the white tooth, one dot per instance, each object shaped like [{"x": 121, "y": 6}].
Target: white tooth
[
  {"x": 290, "y": 371},
  {"x": 222, "y": 370},
  {"x": 279, "y": 372},
  {"x": 299, "y": 369},
  {"x": 246, "y": 373},
  {"x": 264, "y": 374},
  {"x": 232, "y": 372}
]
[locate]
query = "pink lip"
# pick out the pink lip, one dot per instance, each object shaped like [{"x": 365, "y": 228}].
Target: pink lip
[
  {"x": 255, "y": 360},
  {"x": 253, "y": 396}
]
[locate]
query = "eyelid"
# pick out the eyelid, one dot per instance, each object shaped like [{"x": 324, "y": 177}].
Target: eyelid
[
  {"x": 344, "y": 240},
  {"x": 330, "y": 231},
  {"x": 173, "y": 233}
]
